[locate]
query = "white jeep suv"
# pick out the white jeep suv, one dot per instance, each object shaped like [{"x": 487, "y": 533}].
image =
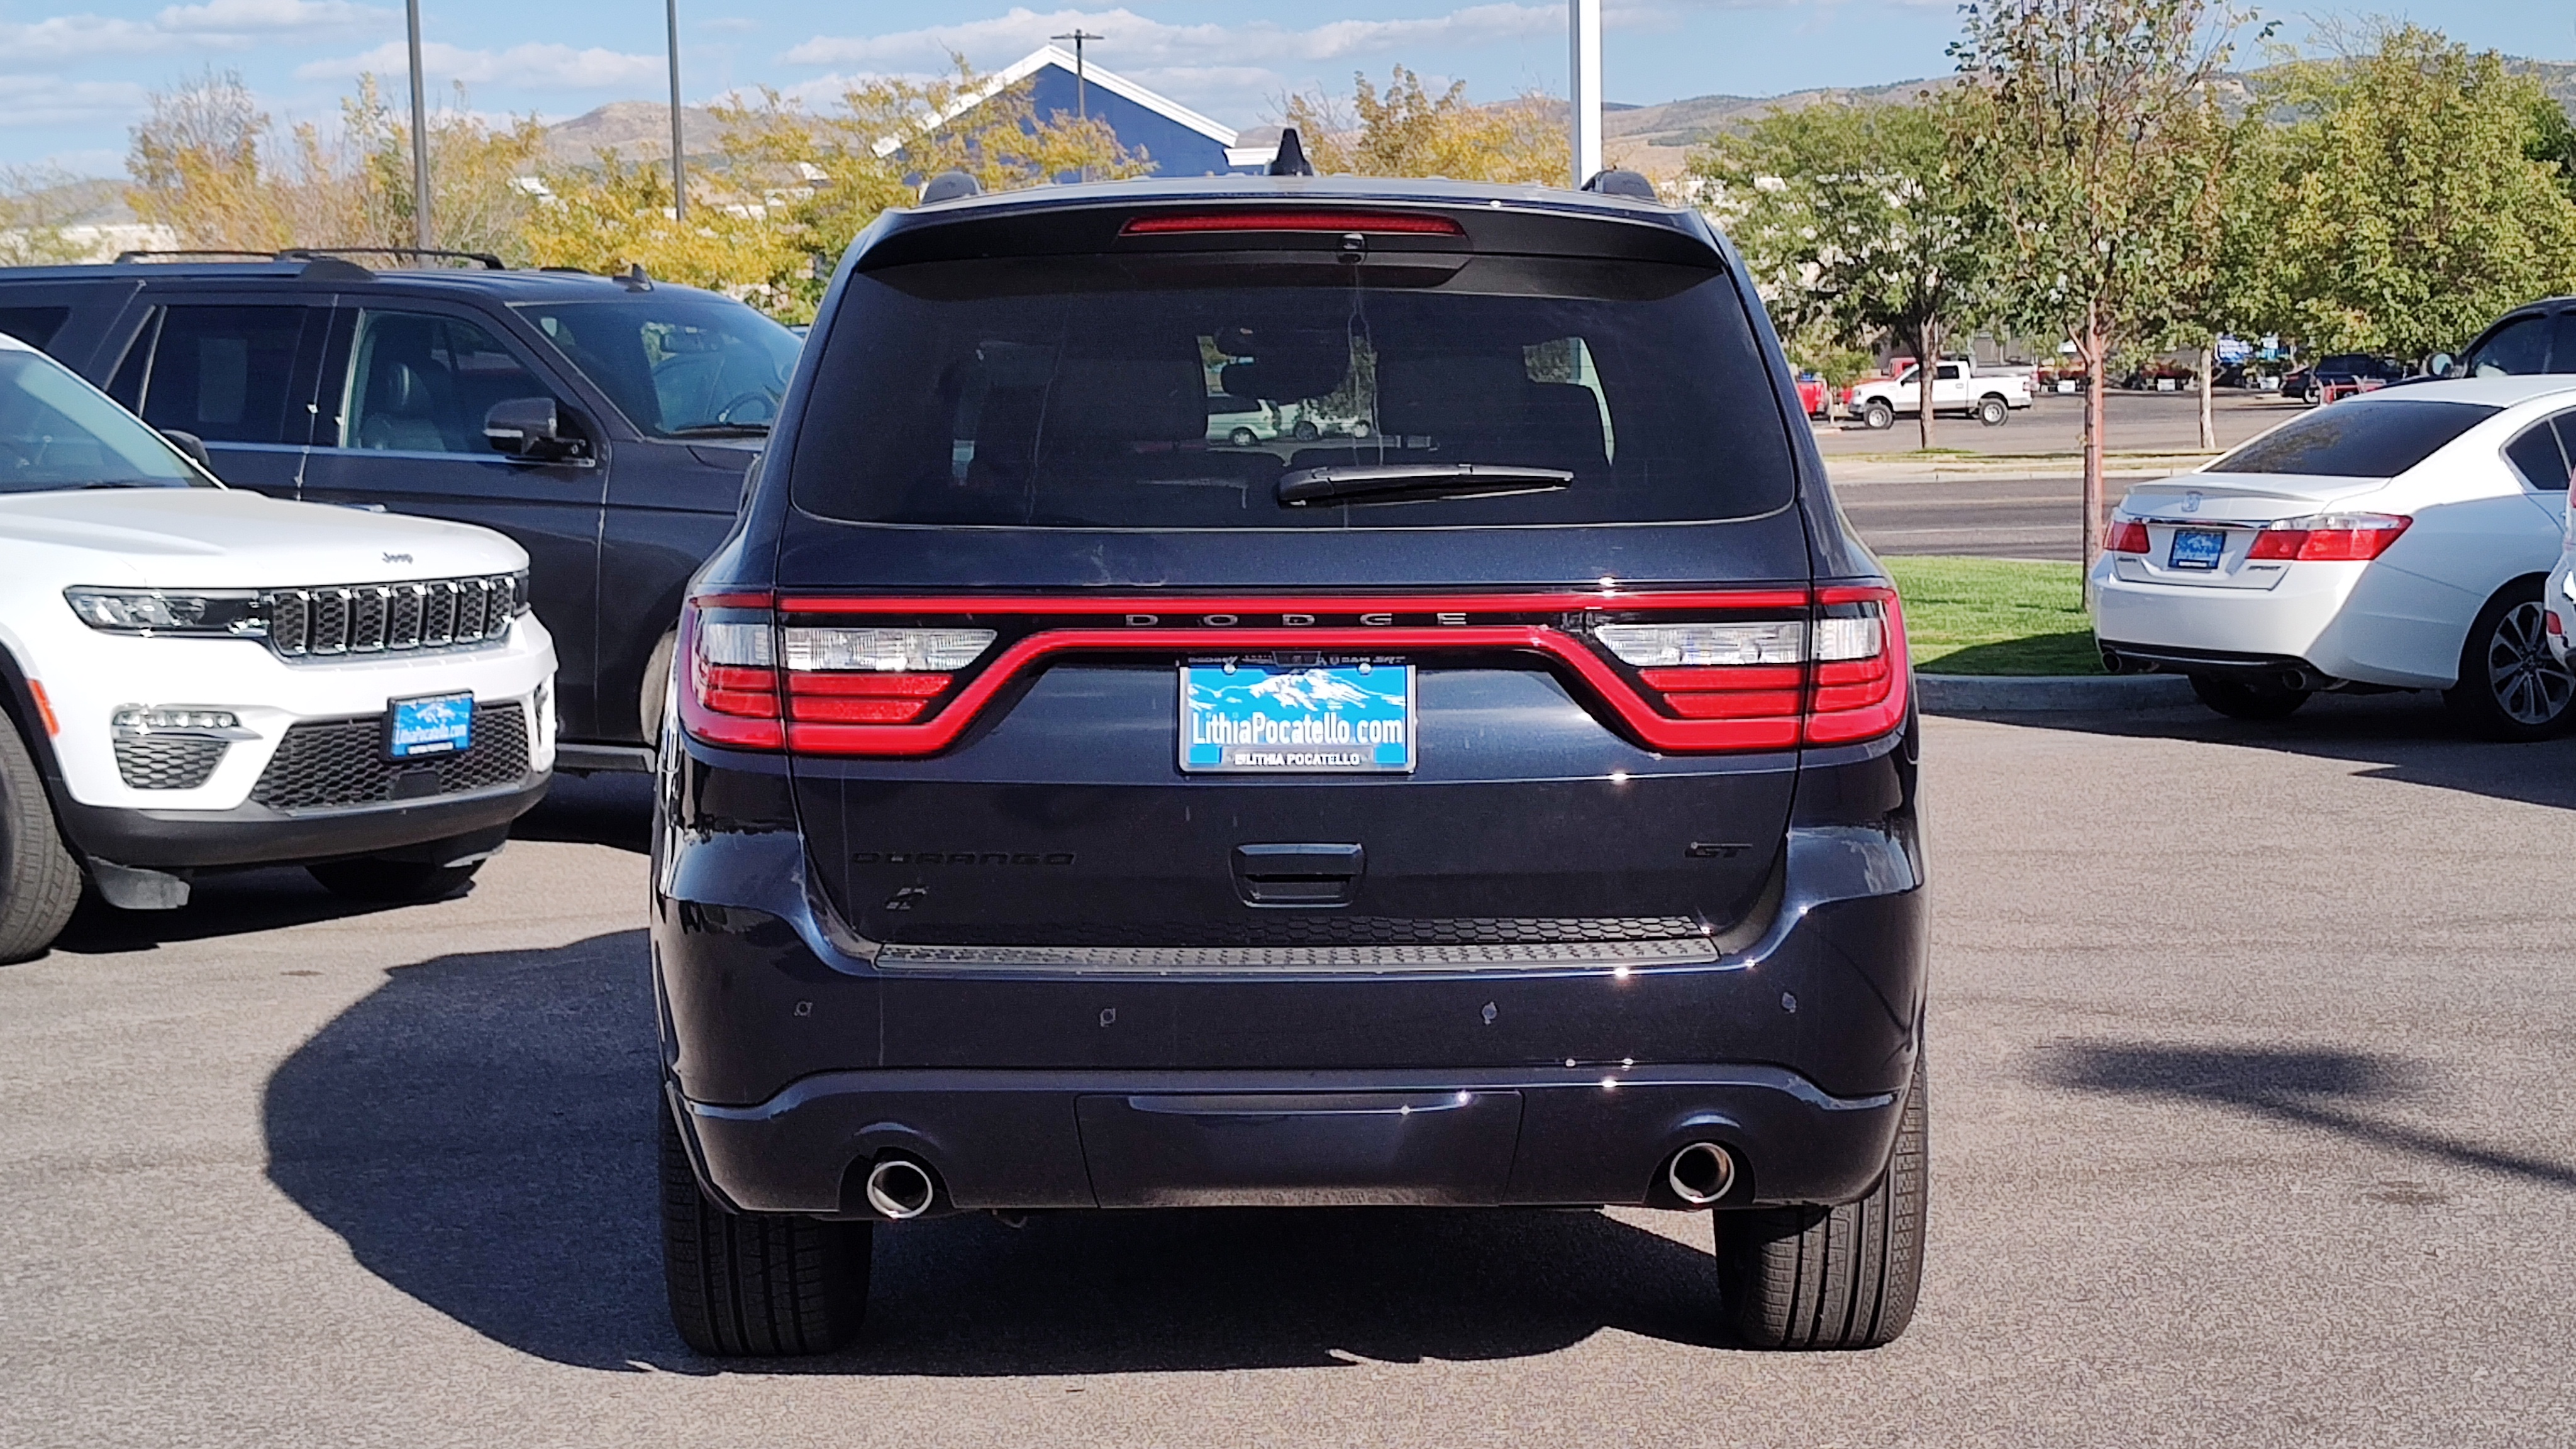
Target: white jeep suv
[{"x": 197, "y": 678}]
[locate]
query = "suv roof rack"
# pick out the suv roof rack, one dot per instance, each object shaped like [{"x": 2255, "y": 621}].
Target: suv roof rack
[
  {"x": 145, "y": 254},
  {"x": 489, "y": 262}
]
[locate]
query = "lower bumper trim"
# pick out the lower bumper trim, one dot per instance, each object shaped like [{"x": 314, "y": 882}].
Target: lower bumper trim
[{"x": 256, "y": 835}]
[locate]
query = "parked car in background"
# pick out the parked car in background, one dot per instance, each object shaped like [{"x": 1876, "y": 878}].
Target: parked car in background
[
  {"x": 2341, "y": 375},
  {"x": 1988, "y": 395},
  {"x": 1242, "y": 422},
  {"x": 2534, "y": 339},
  {"x": 199, "y": 678},
  {"x": 1513, "y": 806},
  {"x": 604, "y": 423},
  {"x": 1812, "y": 392},
  {"x": 2396, "y": 541}
]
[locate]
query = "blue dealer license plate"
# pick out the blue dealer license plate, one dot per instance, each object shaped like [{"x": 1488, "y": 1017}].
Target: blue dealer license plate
[
  {"x": 2197, "y": 548},
  {"x": 435, "y": 724},
  {"x": 1343, "y": 718}
]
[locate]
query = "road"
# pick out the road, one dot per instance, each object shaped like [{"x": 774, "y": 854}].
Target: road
[
  {"x": 2252, "y": 1126},
  {"x": 2031, "y": 505}
]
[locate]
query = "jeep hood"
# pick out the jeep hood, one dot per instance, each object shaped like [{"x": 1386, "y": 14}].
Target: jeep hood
[{"x": 231, "y": 538}]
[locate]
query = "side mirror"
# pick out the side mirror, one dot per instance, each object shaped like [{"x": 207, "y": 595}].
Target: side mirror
[
  {"x": 531, "y": 428},
  {"x": 2440, "y": 364},
  {"x": 192, "y": 445}
]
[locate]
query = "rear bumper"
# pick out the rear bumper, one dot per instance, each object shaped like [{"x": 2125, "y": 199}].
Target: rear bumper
[{"x": 1533, "y": 1136}]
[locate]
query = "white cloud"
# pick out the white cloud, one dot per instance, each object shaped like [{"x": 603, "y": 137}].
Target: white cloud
[
  {"x": 521, "y": 65},
  {"x": 44, "y": 100},
  {"x": 214, "y": 25},
  {"x": 1141, "y": 45}
]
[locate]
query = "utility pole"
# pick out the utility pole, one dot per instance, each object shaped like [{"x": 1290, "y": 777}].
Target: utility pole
[
  {"x": 420, "y": 232},
  {"x": 1081, "y": 99},
  {"x": 1583, "y": 84},
  {"x": 679, "y": 164}
]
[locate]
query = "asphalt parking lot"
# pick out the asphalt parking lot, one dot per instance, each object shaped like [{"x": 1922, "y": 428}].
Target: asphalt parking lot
[{"x": 2252, "y": 1126}]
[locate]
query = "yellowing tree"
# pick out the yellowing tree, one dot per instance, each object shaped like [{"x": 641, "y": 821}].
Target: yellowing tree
[
  {"x": 1404, "y": 130},
  {"x": 614, "y": 216}
]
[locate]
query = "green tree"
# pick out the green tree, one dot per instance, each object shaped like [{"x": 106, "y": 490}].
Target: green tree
[
  {"x": 2087, "y": 126},
  {"x": 1858, "y": 220},
  {"x": 35, "y": 206},
  {"x": 1404, "y": 130},
  {"x": 2416, "y": 195}
]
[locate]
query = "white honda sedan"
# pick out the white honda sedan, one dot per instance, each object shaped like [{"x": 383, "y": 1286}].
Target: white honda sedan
[{"x": 2398, "y": 540}]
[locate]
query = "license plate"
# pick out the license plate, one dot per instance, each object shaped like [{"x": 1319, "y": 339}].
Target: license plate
[
  {"x": 1245, "y": 717},
  {"x": 434, "y": 724},
  {"x": 2197, "y": 548}
]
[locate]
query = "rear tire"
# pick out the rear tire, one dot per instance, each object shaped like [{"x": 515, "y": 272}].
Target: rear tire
[
  {"x": 391, "y": 882},
  {"x": 2238, "y": 699},
  {"x": 39, "y": 880},
  {"x": 1306, "y": 432},
  {"x": 1994, "y": 412},
  {"x": 1839, "y": 1277},
  {"x": 765, "y": 1285},
  {"x": 1242, "y": 438},
  {"x": 2511, "y": 687},
  {"x": 1877, "y": 416}
]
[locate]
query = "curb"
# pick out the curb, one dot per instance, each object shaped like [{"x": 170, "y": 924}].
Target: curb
[{"x": 2049, "y": 693}]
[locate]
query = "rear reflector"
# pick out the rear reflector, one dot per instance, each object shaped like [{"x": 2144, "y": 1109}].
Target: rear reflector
[
  {"x": 1410, "y": 223},
  {"x": 2125, "y": 535},
  {"x": 2330, "y": 537}
]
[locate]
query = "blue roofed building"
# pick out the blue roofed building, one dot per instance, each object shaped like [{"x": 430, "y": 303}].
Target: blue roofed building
[{"x": 1180, "y": 141}]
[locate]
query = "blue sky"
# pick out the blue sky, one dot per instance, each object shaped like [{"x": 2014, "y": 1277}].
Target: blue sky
[{"x": 74, "y": 73}]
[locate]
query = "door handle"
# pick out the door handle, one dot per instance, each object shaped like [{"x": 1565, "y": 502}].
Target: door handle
[{"x": 1298, "y": 875}]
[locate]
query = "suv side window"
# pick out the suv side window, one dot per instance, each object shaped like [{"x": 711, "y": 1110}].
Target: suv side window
[
  {"x": 34, "y": 326},
  {"x": 2562, "y": 343},
  {"x": 422, "y": 381},
  {"x": 222, "y": 373},
  {"x": 2542, "y": 454},
  {"x": 2518, "y": 347}
]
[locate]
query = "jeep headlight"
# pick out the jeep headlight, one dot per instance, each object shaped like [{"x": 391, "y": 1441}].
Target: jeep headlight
[{"x": 219, "y": 612}]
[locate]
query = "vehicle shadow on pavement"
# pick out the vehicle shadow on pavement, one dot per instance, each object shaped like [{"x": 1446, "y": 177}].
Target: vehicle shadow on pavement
[
  {"x": 608, "y": 808},
  {"x": 234, "y": 904},
  {"x": 2409, "y": 737},
  {"x": 2320, "y": 1088},
  {"x": 479, "y": 1130}
]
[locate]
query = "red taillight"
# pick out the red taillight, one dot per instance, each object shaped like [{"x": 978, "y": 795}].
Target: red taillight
[
  {"x": 1859, "y": 691},
  {"x": 729, "y": 674},
  {"x": 2125, "y": 535},
  {"x": 2330, "y": 537},
  {"x": 860, "y": 698},
  {"x": 1384, "y": 222}
]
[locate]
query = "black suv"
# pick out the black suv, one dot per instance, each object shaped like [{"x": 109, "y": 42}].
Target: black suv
[
  {"x": 1072, "y": 805},
  {"x": 603, "y": 422}
]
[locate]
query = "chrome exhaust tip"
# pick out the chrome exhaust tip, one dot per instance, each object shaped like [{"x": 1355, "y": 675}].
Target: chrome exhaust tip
[
  {"x": 901, "y": 1188},
  {"x": 1699, "y": 1174}
]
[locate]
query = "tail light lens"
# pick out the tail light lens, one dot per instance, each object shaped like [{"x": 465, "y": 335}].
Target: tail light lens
[
  {"x": 2330, "y": 537},
  {"x": 749, "y": 679},
  {"x": 1828, "y": 679},
  {"x": 2125, "y": 535}
]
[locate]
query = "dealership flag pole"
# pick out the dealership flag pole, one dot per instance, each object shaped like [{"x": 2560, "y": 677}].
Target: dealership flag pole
[
  {"x": 419, "y": 136},
  {"x": 1583, "y": 84}
]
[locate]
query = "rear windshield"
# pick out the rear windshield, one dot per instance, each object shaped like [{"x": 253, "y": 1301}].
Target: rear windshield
[
  {"x": 1138, "y": 394},
  {"x": 2360, "y": 438}
]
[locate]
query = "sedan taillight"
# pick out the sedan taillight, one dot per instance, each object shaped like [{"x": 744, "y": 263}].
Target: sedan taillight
[
  {"x": 2126, "y": 535},
  {"x": 2329, "y": 537}
]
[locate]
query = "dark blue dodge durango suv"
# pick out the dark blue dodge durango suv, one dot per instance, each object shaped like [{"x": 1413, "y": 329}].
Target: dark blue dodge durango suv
[{"x": 1071, "y": 802}]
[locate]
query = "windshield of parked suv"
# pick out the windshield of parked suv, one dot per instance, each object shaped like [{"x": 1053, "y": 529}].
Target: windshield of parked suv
[
  {"x": 677, "y": 364},
  {"x": 58, "y": 432},
  {"x": 2367, "y": 437},
  {"x": 1133, "y": 394}
]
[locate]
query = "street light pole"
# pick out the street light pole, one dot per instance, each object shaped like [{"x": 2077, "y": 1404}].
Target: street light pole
[
  {"x": 679, "y": 165},
  {"x": 1583, "y": 84},
  {"x": 1081, "y": 98},
  {"x": 419, "y": 135}
]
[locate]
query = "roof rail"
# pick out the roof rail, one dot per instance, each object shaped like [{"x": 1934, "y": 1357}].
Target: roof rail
[
  {"x": 145, "y": 254},
  {"x": 489, "y": 262}
]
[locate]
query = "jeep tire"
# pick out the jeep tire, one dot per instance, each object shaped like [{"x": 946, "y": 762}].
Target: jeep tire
[{"x": 39, "y": 880}]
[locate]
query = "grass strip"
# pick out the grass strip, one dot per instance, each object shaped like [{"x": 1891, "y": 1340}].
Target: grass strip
[{"x": 1995, "y": 616}]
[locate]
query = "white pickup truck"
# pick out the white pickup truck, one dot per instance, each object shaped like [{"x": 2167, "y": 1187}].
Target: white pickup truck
[{"x": 1959, "y": 388}]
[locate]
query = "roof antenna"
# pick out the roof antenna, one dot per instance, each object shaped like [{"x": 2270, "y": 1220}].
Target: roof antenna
[
  {"x": 1291, "y": 158},
  {"x": 634, "y": 278},
  {"x": 948, "y": 186}
]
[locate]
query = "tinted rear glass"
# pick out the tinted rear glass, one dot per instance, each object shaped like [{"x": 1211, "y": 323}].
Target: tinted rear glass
[
  {"x": 2360, "y": 438},
  {"x": 34, "y": 326},
  {"x": 1139, "y": 394}
]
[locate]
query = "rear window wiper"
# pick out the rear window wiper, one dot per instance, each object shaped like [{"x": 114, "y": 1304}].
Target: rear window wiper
[{"x": 1411, "y": 482}]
